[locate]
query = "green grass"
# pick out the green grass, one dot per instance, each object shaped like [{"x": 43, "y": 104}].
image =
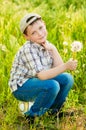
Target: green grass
[{"x": 65, "y": 21}]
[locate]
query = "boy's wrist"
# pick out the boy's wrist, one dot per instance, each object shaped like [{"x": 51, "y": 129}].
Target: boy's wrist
[{"x": 65, "y": 66}]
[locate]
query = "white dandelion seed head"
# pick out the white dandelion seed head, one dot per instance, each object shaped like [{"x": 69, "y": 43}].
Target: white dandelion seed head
[
  {"x": 65, "y": 43},
  {"x": 3, "y": 47},
  {"x": 76, "y": 46}
]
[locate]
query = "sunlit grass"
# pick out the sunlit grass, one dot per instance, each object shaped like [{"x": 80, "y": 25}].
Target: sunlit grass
[{"x": 65, "y": 21}]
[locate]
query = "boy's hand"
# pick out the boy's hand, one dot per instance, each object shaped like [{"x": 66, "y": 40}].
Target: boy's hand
[
  {"x": 48, "y": 46},
  {"x": 71, "y": 64}
]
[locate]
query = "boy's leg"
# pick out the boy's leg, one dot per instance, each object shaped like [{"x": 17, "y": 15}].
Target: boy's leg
[
  {"x": 43, "y": 92},
  {"x": 66, "y": 82}
]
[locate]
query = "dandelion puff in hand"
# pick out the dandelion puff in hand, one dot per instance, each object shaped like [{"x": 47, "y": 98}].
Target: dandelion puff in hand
[{"x": 76, "y": 46}]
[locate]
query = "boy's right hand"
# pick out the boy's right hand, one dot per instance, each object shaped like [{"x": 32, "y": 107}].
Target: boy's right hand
[
  {"x": 71, "y": 64},
  {"x": 48, "y": 46}
]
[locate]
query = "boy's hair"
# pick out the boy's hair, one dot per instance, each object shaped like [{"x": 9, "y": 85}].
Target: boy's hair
[
  {"x": 25, "y": 31},
  {"x": 28, "y": 20}
]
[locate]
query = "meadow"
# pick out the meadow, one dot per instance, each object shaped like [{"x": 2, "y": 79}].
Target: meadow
[{"x": 66, "y": 22}]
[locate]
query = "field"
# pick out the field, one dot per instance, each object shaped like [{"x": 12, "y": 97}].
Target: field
[{"x": 66, "y": 22}]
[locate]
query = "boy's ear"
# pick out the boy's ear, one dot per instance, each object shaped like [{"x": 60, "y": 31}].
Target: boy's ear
[{"x": 26, "y": 36}]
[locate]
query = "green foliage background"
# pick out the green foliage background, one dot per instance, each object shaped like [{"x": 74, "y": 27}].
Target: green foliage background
[{"x": 65, "y": 21}]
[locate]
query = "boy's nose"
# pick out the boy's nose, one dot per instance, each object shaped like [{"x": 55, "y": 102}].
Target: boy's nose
[{"x": 40, "y": 33}]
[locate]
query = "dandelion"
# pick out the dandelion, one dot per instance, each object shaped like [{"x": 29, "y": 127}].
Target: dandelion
[
  {"x": 3, "y": 47},
  {"x": 65, "y": 43},
  {"x": 76, "y": 46}
]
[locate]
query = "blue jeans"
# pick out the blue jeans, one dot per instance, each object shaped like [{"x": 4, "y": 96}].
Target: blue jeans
[{"x": 46, "y": 94}]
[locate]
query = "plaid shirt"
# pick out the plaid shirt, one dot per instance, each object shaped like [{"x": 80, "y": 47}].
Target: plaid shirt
[{"x": 30, "y": 59}]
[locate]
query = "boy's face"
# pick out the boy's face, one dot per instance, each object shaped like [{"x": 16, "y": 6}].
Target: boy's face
[{"x": 37, "y": 32}]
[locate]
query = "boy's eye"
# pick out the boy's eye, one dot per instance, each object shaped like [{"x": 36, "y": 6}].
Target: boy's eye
[
  {"x": 40, "y": 27},
  {"x": 33, "y": 33}
]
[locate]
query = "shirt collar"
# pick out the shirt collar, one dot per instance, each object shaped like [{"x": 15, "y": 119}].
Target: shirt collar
[{"x": 36, "y": 45}]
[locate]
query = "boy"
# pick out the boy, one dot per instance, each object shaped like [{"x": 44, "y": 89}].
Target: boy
[{"x": 38, "y": 70}]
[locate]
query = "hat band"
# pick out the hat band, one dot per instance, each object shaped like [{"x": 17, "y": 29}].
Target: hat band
[{"x": 29, "y": 19}]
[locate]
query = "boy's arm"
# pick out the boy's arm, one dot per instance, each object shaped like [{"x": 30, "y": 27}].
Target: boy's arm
[
  {"x": 58, "y": 65},
  {"x": 57, "y": 60},
  {"x": 50, "y": 73}
]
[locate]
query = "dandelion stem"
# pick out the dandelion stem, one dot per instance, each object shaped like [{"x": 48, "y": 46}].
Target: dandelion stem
[{"x": 74, "y": 55}]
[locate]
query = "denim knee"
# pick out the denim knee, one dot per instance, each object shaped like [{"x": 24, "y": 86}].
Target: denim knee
[
  {"x": 54, "y": 87},
  {"x": 69, "y": 79}
]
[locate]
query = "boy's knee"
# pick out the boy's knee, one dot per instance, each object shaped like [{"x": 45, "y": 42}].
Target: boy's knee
[
  {"x": 53, "y": 87},
  {"x": 69, "y": 78}
]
